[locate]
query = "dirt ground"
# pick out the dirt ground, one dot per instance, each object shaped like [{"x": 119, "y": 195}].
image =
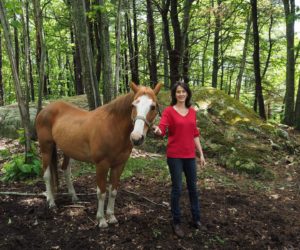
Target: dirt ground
[{"x": 235, "y": 219}]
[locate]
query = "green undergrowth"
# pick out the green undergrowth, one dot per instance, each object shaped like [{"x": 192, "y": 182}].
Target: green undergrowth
[
  {"x": 157, "y": 168},
  {"x": 16, "y": 168},
  {"x": 146, "y": 166},
  {"x": 212, "y": 177},
  {"x": 149, "y": 167}
]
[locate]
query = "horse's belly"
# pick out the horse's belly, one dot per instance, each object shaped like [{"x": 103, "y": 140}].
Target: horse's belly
[
  {"x": 77, "y": 154},
  {"x": 73, "y": 146}
]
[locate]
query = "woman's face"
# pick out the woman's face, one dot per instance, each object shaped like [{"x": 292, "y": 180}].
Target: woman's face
[{"x": 181, "y": 94}]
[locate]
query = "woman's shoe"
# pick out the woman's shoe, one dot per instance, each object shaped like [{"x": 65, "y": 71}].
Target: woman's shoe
[
  {"x": 200, "y": 226},
  {"x": 177, "y": 230}
]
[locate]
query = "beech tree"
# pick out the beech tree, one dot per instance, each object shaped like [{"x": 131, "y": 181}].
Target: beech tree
[
  {"x": 289, "y": 100},
  {"x": 22, "y": 100},
  {"x": 86, "y": 57}
]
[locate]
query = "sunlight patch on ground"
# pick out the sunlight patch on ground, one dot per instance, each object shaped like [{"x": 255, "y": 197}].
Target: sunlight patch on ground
[
  {"x": 141, "y": 153},
  {"x": 32, "y": 201},
  {"x": 132, "y": 210},
  {"x": 73, "y": 212}
]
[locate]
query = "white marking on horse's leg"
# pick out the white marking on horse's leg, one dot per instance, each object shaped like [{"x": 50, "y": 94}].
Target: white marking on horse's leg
[
  {"x": 100, "y": 212},
  {"x": 49, "y": 194},
  {"x": 68, "y": 178},
  {"x": 111, "y": 206}
]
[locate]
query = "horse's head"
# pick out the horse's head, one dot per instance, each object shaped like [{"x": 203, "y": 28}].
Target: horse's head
[{"x": 144, "y": 111}]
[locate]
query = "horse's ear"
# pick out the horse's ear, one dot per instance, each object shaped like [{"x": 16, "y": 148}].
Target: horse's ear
[
  {"x": 134, "y": 87},
  {"x": 157, "y": 88}
]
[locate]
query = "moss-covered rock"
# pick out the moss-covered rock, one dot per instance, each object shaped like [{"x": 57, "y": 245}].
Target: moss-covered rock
[
  {"x": 233, "y": 134},
  {"x": 10, "y": 120}
]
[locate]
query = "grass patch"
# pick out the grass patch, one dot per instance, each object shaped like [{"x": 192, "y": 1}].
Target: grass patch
[
  {"x": 210, "y": 173},
  {"x": 84, "y": 168},
  {"x": 5, "y": 153},
  {"x": 146, "y": 166}
]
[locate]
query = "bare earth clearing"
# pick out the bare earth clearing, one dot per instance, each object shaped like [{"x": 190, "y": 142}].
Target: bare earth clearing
[{"x": 236, "y": 217}]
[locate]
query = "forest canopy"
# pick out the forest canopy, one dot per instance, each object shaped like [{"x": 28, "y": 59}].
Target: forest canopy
[{"x": 248, "y": 49}]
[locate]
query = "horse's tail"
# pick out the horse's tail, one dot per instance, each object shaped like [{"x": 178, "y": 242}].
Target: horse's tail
[{"x": 53, "y": 170}]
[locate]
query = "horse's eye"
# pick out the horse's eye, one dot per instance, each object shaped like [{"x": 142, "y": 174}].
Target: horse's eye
[{"x": 153, "y": 107}]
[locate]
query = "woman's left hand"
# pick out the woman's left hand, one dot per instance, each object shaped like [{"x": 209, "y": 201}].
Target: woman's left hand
[{"x": 202, "y": 160}]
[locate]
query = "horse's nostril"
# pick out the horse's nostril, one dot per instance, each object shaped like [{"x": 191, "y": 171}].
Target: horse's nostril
[{"x": 139, "y": 141}]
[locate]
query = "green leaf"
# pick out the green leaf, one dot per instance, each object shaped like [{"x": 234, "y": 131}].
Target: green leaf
[{"x": 25, "y": 168}]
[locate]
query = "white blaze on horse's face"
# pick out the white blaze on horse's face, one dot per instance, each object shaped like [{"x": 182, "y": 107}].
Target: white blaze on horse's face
[{"x": 143, "y": 105}]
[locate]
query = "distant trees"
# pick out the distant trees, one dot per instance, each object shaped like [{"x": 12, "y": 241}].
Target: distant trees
[
  {"x": 97, "y": 47},
  {"x": 21, "y": 98}
]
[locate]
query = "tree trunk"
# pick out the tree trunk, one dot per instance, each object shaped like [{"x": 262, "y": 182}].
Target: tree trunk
[
  {"x": 22, "y": 104},
  {"x": 31, "y": 82},
  {"x": 297, "y": 109},
  {"x": 256, "y": 61},
  {"x": 175, "y": 53},
  {"x": 108, "y": 85},
  {"x": 132, "y": 61},
  {"x": 86, "y": 56},
  {"x": 185, "y": 40},
  {"x": 26, "y": 53},
  {"x": 186, "y": 62},
  {"x": 135, "y": 40},
  {"x": 167, "y": 41},
  {"x": 1, "y": 78},
  {"x": 17, "y": 49},
  {"x": 289, "y": 8},
  {"x": 78, "y": 86},
  {"x": 203, "y": 60},
  {"x": 40, "y": 52},
  {"x": 222, "y": 64},
  {"x": 270, "y": 48},
  {"x": 118, "y": 49},
  {"x": 214, "y": 80},
  {"x": 165, "y": 60},
  {"x": 152, "y": 44},
  {"x": 98, "y": 51},
  {"x": 243, "y": 61}
]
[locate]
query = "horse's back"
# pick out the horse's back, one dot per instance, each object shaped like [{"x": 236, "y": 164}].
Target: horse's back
[{"x": 55, "y": 113}]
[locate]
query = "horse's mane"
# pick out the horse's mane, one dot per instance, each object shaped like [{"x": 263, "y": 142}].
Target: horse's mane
[{"x": 121, "y": 105}]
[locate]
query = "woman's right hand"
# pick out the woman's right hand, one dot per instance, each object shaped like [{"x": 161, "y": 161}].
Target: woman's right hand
[{"x": 156, "y": 130}]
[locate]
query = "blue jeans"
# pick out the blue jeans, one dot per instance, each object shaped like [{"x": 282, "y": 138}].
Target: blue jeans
[{"x": 188, "y": 166}]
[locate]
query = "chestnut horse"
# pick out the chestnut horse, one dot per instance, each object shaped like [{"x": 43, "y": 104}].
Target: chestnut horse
[{"x": 104, "y": 137}]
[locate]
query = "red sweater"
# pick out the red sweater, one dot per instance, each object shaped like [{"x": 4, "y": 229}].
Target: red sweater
[{"x": 181, "y": 132}]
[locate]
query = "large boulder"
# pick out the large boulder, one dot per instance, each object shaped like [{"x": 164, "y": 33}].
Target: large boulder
[{"x": 10, "y": 119}]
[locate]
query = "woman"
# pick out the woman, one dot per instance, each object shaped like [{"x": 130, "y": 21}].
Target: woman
[{"x": 180, "y": 121}]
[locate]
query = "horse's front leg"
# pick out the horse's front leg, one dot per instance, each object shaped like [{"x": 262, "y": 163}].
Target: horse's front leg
[
  {"x": 115, "y": 174},
  {"x": 68, "y": 177},
  {"x": 101, "y": 175},
  {"x": 110, "y": 211}
]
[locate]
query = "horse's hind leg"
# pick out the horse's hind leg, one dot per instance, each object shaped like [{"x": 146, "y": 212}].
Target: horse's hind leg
[
  {"x": 46, "y": 160},
  {"x": 115, "y": 174},
  {"x": 68, "y": 177}
]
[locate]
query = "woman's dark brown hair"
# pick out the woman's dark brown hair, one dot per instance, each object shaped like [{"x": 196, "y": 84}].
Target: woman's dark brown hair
[{"x": 186, "y": 88}]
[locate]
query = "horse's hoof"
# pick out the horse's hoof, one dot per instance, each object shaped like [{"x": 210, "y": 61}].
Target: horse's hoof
[
  {"x": 52, "y": 205},
  {"x": 75, "y": 199},
  {"x": 112, "y": 219},
  {"x": 103, "y": 223}
]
